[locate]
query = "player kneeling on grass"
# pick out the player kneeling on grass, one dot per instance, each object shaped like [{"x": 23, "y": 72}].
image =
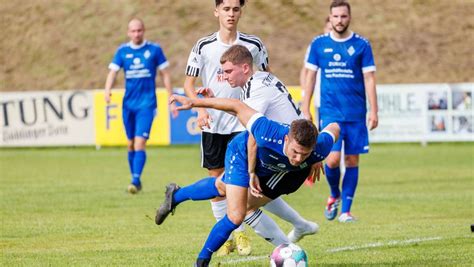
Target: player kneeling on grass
[{"x": 286, "y": 154}]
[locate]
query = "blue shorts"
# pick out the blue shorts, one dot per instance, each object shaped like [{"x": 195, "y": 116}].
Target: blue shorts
[
  {"x": 236, "y": 162},
  {"x": 138, "y": 123},
  {"x": 355, "y": 136}
]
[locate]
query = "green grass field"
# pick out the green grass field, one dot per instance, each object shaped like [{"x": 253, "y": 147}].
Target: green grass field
[{"x": 68, "y": 207}]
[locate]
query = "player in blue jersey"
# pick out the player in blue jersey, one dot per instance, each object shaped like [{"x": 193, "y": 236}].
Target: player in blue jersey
[
  {"x": 347, "y": 68},
  {"x": 140, "y": 60},
  {"x": 285, "y": 157}
]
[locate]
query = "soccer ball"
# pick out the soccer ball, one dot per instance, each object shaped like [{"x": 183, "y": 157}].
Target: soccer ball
[{"x": 288, "y": 255}]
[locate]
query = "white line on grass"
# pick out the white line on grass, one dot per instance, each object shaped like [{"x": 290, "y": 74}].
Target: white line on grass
[
  {"x": 383, "y": 244},
  {"x": 247, "y": 259}
]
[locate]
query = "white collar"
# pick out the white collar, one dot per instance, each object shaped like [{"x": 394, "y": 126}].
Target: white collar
[
  {"x": 134, "y": 46},
  {"x": 335, "y": 39},
  {"x": 237, "y": 37}
]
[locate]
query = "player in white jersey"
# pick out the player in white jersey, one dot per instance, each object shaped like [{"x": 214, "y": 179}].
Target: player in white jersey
[
  {"x": 219, "y": 127},
  {"x": 266, "y": 94}
]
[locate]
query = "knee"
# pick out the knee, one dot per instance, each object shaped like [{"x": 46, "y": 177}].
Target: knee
[
  {"x": 351, "y": 161},
  {"x": 236, "y": 216},
  {"x": 332, "y": 163},
  {"x": 139, "y": 144},
  {"x": 130, "y": 146}
]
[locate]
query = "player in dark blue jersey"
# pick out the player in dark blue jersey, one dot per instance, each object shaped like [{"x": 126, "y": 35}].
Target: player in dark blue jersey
[
  {"x": 140, "y": 60},
  {"x": 347, "y": 68},
  {"x": 282, "y": 150}
]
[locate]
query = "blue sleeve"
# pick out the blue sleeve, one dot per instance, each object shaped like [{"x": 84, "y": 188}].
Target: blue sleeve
[
  {"x": 324, "y": 144},
  {"x": 160, "y": 57},
  {"x": 312, "y": 58},
  {"x": 264, "y": 130},
  {"x": 367, "y": 56},
  {"x": 117, "y": 60}
]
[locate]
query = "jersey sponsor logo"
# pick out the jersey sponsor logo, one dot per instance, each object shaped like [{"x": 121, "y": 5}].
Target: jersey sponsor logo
[
  {"x": 137, "y": 64},
  {"x": 328, "y": 50},
  {"x": 281, "y": 165},
  {"x": 129, "y": 56},
  {"x": 351, "y": 50},
  {"x": 220, "y": 75},
  {"x": 194, "y": 60},
  {"x": 336, "y": 57},
  {"x": 147, "y": 54},
  {"x": 273, "y": 156}
]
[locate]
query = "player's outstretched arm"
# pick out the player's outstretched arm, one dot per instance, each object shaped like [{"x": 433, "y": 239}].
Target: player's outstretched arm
[{"x": 232, "y": 106}]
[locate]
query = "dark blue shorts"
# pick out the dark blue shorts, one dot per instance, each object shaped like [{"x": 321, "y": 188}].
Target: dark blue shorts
[
  {"x": 355, "y": 136},
  {"x": 138, "y": 123}
]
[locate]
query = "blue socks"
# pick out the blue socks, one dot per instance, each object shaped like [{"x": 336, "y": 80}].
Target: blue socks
[
  {"x": 139, "y": 160},
  {"x": 131, "y": 155},
  {"x": 349, "y": 184},
  {"x": 333, "y": 176},
  {"x": 217, "y": 237},
  {"x": 200, "y": 190}
]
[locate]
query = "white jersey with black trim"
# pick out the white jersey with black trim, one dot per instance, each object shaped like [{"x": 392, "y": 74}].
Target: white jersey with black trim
[
  {"x": 265, "y": 93},
  {"x": 204, "y": 61}
]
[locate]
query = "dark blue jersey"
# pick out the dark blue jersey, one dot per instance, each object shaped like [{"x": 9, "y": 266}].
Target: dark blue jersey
[{"x": 270, "y": 138}]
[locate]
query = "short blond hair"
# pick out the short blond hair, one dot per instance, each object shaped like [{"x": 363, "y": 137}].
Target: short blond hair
[{"x": 237, "y": 54}]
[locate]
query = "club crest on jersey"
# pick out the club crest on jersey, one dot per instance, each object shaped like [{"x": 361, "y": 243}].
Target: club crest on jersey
[
  {"x": 147, "y": 54},
  {"x": 336, "y": 57},
  {"x": 281, "y": 165},
  {"x": 351, "y": 50},
  {"x": 136, "y": 61}
]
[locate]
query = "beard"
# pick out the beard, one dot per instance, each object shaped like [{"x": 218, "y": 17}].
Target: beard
[{"x": 340, "y": 31}]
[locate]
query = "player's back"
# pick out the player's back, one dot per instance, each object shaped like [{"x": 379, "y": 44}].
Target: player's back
[{"x": 265, "y": 93}]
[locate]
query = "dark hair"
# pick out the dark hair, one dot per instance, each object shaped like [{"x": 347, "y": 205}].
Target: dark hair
[
  {"x": 218, "y": 2},
  {"x": 304, "y": 132},
  {"x": 237, "y": 54},
  {"x": 338, "y": 3}
]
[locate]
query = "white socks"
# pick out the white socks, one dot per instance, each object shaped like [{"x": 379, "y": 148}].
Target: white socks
[
  {"x": 281, "y": 209},
  {"x": 265, "y": 227},
  {"x": 219, "y": 209}
]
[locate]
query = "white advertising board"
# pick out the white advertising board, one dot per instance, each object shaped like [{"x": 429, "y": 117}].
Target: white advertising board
[
  {"x": 424, "y": 113},
  {"x": 48, "y": 118}
]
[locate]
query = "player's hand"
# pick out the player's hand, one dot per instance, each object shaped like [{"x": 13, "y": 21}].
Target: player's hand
[
  {"x": 254, "y": 184},
  {"x": 186, "y": 103},
  {"x": 307, "y": 115},
  {"x": 203, "y": 119},
  {"x": 206, "y": 92},
  {"x": 107, "y": 97},
  {"x": 373, "y": 120},
  {"x": 315, "y": 173},
  {"x": 173, "y": 110}
]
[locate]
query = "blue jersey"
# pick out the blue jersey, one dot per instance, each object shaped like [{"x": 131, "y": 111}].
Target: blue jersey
[
  {"x": 342, "y": 64},
  {"x": 140, "y": 64},
  {"x": 270, "y": 136}
]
